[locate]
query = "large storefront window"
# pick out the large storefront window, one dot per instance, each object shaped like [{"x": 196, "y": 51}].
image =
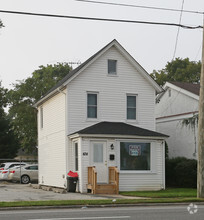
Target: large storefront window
[{"x": 134, "y": 156}]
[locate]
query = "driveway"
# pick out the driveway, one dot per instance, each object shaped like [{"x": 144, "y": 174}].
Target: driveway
[{"x": 20, "y": 192}]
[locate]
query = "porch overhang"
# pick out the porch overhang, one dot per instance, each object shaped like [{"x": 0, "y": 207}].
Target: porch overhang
[{"x": 117, "y": 130}]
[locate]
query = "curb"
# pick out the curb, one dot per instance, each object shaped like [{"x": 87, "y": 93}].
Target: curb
[{"x": 96, "y": 206}]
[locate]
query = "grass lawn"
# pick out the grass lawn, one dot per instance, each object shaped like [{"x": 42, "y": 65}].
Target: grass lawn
[
  {"x": 98, "y": 202},
  {"x": 167, "y": 193}
]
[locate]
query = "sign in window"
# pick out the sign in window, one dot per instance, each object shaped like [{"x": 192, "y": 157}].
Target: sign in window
[{"x": 134, "y": 156}]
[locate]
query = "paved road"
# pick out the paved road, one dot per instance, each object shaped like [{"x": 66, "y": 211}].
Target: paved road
[{"x": 144, "y": 213}]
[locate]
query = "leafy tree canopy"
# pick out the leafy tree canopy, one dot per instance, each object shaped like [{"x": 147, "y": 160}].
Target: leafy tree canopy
[
  {"x": 8, "y": 143},
  {"x": 180, "y": 70},
  {"x": 25, "y": 94}
]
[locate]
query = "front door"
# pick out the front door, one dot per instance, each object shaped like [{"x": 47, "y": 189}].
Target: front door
[{"x": 99, "y": 160}]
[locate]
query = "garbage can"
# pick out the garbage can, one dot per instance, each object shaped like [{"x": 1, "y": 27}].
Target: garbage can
[
  {"x": 72, "y": 179},
  {"x": 71, "y": 184}
]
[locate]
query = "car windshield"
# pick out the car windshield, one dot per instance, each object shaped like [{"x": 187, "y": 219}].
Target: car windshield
[{"x": 2, "y": 165}]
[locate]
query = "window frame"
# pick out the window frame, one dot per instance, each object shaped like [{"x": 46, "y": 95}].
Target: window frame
[
  {"x": 87, "y": 106},
  {"x": 116, "y": 69},
  {"x": 136, "y": 108},
  {"x": 152, "y": 163},
  {"x": 76, "y": 157}
]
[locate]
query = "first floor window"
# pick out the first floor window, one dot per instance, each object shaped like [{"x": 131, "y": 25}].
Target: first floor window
[
  {"x": 76, "y": 157},
  {"x": 91, "y": 105},
  {"x": 134, "y": 156}
]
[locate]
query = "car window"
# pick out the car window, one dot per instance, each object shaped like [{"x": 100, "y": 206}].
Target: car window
[
  {"x": 32, "y": 168},
  {"x": 13, "y": 165},
  {"x": 2, "y": 165}
]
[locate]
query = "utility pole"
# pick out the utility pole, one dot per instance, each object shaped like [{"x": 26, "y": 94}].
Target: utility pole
[{"x": 200, "y": 172}]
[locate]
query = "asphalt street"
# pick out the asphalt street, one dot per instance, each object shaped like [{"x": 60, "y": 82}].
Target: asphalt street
[{"x": 144, "y": 213}]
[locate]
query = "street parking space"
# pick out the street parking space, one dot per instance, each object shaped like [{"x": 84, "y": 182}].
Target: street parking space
[{"x": 10, "y": 191}]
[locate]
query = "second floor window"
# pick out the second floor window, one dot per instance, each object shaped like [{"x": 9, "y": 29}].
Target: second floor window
[
  {"x": 91, "y": 105},
  {"x": 131, "y": 107}
]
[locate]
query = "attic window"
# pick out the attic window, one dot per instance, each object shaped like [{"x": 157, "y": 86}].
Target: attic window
[{"x": 112, "y": 67}]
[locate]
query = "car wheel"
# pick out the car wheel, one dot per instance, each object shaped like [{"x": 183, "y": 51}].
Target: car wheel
[{"x": 25, "y": 179}]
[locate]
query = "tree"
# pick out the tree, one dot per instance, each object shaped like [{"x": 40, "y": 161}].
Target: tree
[
  {"x": 8, "y": 143},
  {"x": 180, "y": 70},
  {"x": 22, "y": 98}
]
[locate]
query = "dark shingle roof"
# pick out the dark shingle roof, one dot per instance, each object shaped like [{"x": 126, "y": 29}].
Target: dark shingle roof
[
  {"x": 191, "y": 87},
  {"x": 118, "y": 128}
]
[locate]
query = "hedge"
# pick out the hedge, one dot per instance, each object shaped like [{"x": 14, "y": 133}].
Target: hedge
[{"x": 181, "y": 172}]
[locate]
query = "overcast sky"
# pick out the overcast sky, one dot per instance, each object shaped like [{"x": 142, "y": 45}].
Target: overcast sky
[{"x": 26, "y": 42}]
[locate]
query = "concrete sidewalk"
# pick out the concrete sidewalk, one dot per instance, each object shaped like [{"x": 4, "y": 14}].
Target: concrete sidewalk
[{"x": 20, "y": 192}]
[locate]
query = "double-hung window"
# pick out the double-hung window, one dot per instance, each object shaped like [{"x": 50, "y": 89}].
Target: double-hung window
[
  {"x": 131, "y": 107},
  {"x": 92, "y": 103}
]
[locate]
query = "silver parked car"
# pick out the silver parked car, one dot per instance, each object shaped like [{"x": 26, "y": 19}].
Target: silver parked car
[
  {"x": 24, "y": 174},
  {"x": 4, "y": 168}
]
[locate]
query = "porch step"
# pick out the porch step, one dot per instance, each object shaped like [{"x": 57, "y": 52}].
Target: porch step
[{"x": 103, "y": 188}]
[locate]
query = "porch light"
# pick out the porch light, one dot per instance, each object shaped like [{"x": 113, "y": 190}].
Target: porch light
[{"x": 112, "y": 146}]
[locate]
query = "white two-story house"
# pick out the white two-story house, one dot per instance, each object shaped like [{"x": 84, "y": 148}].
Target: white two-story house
[{"x": 99, "y": 121}]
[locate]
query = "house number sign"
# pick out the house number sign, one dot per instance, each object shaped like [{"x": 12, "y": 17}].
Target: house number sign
[{"x": 85, "y": 153}]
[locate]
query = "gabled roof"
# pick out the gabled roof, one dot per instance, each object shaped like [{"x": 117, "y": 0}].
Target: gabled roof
[
  {"x": 190, "y": 89},
  {"x": 117, "y": 128},
  {"x": 72, "y": 74}
]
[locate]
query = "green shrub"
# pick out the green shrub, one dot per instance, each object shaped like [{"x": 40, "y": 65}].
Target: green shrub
[{"x": 181, "y": 172}]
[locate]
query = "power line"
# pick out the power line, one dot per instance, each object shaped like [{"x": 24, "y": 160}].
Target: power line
[
  {"x": 178, "y": 30},
  {"x": 99, "y": 19},
  {"x": 140, "y": 6}
]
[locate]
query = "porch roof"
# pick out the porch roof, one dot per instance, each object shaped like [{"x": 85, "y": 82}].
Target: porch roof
[{"x": 118, "y": 128}]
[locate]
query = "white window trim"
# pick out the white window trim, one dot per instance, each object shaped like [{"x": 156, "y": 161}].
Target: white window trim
[
  {"x": 97, "y": 95},
  {"x": 113, "y": 74},
  {"x": 151, "y": 171},
  {"x": 76, "y": 142},
  {"x": 132, "y": 120}
]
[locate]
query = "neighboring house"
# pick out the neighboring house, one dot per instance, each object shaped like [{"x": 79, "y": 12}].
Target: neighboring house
[
  {"x": 177, "y": 103},
  {"x": 102, "y": 115}
]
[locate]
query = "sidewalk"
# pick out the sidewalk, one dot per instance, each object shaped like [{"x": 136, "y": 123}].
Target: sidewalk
[{"x": 19, "y": 192}]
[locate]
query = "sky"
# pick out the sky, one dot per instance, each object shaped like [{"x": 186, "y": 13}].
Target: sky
[{"x": 27, "y": 42}]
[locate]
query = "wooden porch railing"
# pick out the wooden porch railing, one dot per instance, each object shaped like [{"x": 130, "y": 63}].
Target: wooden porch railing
[
  {"x": 92, "y": 179},
  {"x": 114, "y": 177},
  {"x": 112, "y": 187}
]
